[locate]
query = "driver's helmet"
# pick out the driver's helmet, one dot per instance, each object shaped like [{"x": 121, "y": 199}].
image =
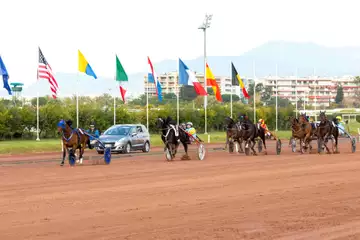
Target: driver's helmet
[
  {"x": 183, "y": 125},
  {"x": 339, "y": 118},
  {"x": 261, "y": 121},
  {"x": 189, "y": 124}
]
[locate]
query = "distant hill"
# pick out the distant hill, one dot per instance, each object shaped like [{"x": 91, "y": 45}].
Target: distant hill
[{"x": 288, "y": 55}]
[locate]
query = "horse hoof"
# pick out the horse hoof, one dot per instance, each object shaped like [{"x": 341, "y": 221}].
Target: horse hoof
[
  {"x": 62, "y": 164},
  {"x": 81, "y": 160},
  {"x": 185, "y": 157}
]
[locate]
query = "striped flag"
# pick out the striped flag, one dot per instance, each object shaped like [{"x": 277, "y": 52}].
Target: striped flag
[{"x": 45, "y": 72}]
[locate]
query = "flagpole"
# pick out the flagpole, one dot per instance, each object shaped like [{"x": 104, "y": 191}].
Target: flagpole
[
  {"x": 147, "y": 104},
  {"x": 276, "y": 108},
  {"x": 296, "y": 97},
  {"x": 254, "y": 91},
  {"x": 231, "y": 93},
  {"x": 37, "y": 116},
  {"x": 37, "y": 104},
  {"x": 315, "y": 94},
  {"x": 114, "y": 109},
  {"x": 77, "y": 101},
  {"x": 178, "y": 96}
]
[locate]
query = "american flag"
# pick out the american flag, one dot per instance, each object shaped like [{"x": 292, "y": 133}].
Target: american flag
[{"x": 45, "y": 72}]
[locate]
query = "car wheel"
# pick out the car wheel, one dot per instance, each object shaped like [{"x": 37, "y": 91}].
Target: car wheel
[
  {"x": 127, "y": 148},
  {"x": 146, "y": 147}
]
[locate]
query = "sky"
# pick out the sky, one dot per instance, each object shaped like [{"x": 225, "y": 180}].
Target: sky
[{"x": 161, "y": 29}]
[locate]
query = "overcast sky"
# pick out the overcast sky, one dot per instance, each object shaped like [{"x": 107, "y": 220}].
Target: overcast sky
[{"x": 162, "y": 29}]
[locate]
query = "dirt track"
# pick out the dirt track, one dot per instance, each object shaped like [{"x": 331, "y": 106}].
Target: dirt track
[{"x": 290, "y": 196}]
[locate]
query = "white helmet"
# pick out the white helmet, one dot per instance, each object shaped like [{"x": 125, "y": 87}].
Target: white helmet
[{"x": 189, "y": 123}]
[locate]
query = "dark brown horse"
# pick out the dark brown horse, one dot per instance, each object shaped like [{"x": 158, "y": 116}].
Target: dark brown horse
[
  {"x": 233, "y": 134},
  {"x": 325, "y": 131},
  {"x": 72, "y": 139}
]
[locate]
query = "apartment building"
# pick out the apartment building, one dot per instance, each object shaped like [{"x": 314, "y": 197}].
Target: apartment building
[
  {"x": 314, "y": 90},
  {"x": 169, "y": 84}
]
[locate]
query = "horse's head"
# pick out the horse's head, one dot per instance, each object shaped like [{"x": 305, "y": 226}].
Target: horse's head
[
  {"x": 323, "y": 117},
  {"x": 229, "y": 122},
  {"x": 160, "y": 122},
  {"x": 61, "y": 126},
  {"x": 294, "y": 121}
]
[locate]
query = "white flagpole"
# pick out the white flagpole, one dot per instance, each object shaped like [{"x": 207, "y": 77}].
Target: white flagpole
[
  {"x": 231, "y": 92},
  {"x": 114, "y": 109},
  {"x": 315, "y": 93},
  {"x": 276, "y": 108},
  {"x": 37, "y": 117},
  {"x": 254, "y": 91},
  {"x": 147, "y": 103},
  {"x": 296, "y": 97},
  {"x": 77, "y": 101},
  {"x": 178, "y": 94}
]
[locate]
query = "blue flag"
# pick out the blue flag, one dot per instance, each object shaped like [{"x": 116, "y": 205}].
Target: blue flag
[{"x": 5, "y": 76}]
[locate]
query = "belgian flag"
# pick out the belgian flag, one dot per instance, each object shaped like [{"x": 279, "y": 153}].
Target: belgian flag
[{"x": 236, "y": 81}]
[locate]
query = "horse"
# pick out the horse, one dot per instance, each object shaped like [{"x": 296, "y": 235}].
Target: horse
[
  {"x": 172, "y": 135},
  {"x": 73, "y": 139},
  {"x": 297, "y": 132},
  {"x": 309, "y": 131},
  {"x": 326, "y": 130},
  {"x": 250, "y": 132},
  {"x": 233, "y": 134}
]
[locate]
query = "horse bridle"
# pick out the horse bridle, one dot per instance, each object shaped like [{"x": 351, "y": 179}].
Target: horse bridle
[{"x": 62, "y": 125}]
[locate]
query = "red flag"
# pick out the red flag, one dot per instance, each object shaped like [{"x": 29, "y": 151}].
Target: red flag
[{"x": 122, "y": 92}]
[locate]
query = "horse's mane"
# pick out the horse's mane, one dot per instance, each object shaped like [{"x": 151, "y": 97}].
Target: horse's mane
[{"x": 169, "y": 121}]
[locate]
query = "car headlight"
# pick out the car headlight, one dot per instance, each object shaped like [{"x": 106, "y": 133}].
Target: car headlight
[{"x": 119, "y": 142}]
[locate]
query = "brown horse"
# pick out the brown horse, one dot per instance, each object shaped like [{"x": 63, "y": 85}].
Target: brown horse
[
  {"x": 308, "y": 129},
  {"x": 325, "y": 131},
  {"x": 301, "y": 131},
  {"x": 72, "y": 139}
]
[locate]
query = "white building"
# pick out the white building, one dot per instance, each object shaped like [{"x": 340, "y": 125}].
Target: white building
[{"x": 314, "y": 90}]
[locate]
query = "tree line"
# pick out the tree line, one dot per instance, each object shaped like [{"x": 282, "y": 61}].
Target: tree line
[{"x": 18, "y": 119}]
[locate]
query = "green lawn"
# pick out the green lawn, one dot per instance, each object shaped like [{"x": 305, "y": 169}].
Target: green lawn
[{"x": 51, "y": 145}]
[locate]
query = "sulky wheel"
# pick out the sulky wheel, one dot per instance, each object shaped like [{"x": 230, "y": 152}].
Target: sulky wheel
[
  {"x": 107, "y": 155},
  {"x": 231, "y": 146},
  {"x": 260, "y": 145},
  {"x": 168, "y": 154},
  {"x": 353, "y": 145},
  {"x": 293, "y": 145},
  {"x": 247, "y": 148},
  {"x": 201, "y": 152},
  {"x": 72, "y": 158},
  {"x": 278, "y": 147},
  {"x": 320, "y": 145}
]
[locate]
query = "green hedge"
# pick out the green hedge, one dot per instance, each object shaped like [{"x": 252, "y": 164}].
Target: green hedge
[{"x": 19, "y": 120}]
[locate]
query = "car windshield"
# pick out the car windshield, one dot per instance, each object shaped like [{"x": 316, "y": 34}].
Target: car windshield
[{"x": 123, "y": 130}]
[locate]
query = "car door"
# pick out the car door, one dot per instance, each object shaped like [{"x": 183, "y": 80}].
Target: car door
[
  {"x": 133, "y": 137},
  {"x": 140, "y": 134}
]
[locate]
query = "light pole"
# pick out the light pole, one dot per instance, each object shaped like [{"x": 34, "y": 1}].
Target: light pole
[{"x": 204, "y": 26}]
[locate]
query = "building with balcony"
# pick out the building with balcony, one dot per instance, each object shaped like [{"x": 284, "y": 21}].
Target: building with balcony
[{"x": 314, "y": 90}]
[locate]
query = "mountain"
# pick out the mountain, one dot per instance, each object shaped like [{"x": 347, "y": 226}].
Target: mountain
[{"x": 327, "y": 61}]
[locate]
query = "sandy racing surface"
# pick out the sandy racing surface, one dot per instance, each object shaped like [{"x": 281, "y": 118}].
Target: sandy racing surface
[{"x": 226, "y": 196}]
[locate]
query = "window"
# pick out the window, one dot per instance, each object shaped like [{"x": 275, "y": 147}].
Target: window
[
  {"x": 138, "y": 129},
  {"x": 132, "y": 130}
]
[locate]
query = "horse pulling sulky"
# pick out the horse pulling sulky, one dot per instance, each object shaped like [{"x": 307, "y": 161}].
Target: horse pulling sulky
[
  {"x": 172, "y": 135},
  {"x": 74, "y": 139}
]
